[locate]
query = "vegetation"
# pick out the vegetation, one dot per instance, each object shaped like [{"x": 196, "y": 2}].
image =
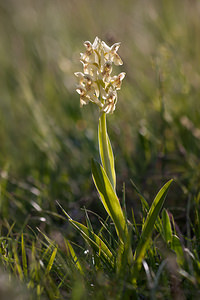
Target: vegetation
[{"x": 57, "y": 239}]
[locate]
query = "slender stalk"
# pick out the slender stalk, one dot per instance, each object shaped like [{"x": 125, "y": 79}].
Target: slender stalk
[{"x": 105, "y": 150}]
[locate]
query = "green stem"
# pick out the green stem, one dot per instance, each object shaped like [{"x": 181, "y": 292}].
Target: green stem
[
  {"x": 105, "y": 150},
  {"x": 107, "y": 160}
]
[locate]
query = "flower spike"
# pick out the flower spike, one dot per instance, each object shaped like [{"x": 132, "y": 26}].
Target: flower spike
[{"x": 96, "y": 84}]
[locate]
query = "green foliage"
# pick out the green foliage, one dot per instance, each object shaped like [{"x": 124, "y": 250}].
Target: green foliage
[
  {"x": 148, "y": 227},
  {"x": 95, "y": 242},
  {"x": 109, "y": 200},
  {"x": 166, "y": 227}
]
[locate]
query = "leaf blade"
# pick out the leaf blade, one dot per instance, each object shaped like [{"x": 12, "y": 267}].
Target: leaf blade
[
  {"x": 109, "y": 199},
  {"x": 24, "y": 259},
  {"x": 148, "y": 227},
  {"x": 96, "y": 242},
  {"x": 166, "y": 227},
  {"x": 51, "y": 261},
  {"x": 73, "y": 255}
]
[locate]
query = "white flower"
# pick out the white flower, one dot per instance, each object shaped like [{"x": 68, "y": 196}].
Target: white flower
[
  {"x": 111, "y": 53},
  {"x": 110, "y": 102},
  {"x": 117, "y": 80},
  {"x": 96, "y": 83}
]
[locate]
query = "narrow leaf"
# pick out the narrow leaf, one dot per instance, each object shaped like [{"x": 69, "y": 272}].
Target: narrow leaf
[
  {"x": 51, "y": 261},
  {"x": 177, "y": 247},
  {"x": 17, "y": 263},
  {"x": 145, "y": 204},
  {"x": 72, "y": 253},
  {"x": 145, "y": 207},
  {"x": 166, "y": 227},
  {"x": 148, "y": 227},
  {"x": 24, "y": 260},
  {"x": 109, "y": 200},
  {"x": 124, "y": 201},
  {"x": 93, "y": 239},
  {"x": 134, "y": 224},
  {"x": 95, "y": 242},
  {"x": 89, "y": 225}
]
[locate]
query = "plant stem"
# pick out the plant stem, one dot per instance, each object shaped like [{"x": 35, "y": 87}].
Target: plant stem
[{"x": 105, "y": 150}]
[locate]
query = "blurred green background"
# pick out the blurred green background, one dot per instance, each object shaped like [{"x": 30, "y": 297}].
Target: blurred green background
[{"x": 47, "y": 141}]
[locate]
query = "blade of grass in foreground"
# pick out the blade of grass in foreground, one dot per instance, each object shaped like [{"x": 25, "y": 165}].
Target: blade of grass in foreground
[
  {"x": 24, "y": 260},
  {"x": 51, "y": 261},
  {"x": 17, "y": 266},
  {"x": 148, "y": 229},
  {"x": 94, "y": 240},
  {"x": 71, "y": 252}
]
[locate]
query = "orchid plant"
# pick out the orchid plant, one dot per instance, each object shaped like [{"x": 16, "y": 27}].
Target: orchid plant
[{"x": 97, "y": 85}]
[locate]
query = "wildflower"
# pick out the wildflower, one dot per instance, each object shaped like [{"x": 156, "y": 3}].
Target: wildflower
[
  {"x": 110, "y": 102},
  {"x": 107, "y": 69},
  {"x": 111, "y": 53},
  {"x": 96, "y": 83},
  {"x": 117, "y": 80}
]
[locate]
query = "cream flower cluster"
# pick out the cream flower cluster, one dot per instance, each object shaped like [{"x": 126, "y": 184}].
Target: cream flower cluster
[{"x": 96, "y": 83}]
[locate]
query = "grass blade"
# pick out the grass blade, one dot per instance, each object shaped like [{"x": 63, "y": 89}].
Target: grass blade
[
  {"x": 51, "y": 261},
  {"x": 17, "y": 265},
  {"x": 72, "y": 253},
  {"x": 95, "y": 242},
  {"x": 178, "y": 249},
  {"x": 145, "y": 204},
  {"x": 24, "y": 260},
  {"x": 89, "y": 225}
]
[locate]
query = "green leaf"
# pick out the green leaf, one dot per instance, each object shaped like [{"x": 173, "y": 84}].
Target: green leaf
[
  {"x": 109, "y": 200},
  {"x": 148, "y": 228},
  {"x": 145, "y": 204},
  {"x": 134, "y": 224},
  {"x": 24, "y": 260},
  {"x": 178, "y": 249},
  {"x": 166, "y": 227},
  {"x": 18, "y": 270},
  {"x": 95, "y": 242},
  {"x": 51, "y": 261},
  {"x": 124, "y": 201},
  {"x": 145, "y": 207},
  {"x": 89, "y": 225},
  {"x": 71, "y": 251},
  {"x": 105, "y": 150}
]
